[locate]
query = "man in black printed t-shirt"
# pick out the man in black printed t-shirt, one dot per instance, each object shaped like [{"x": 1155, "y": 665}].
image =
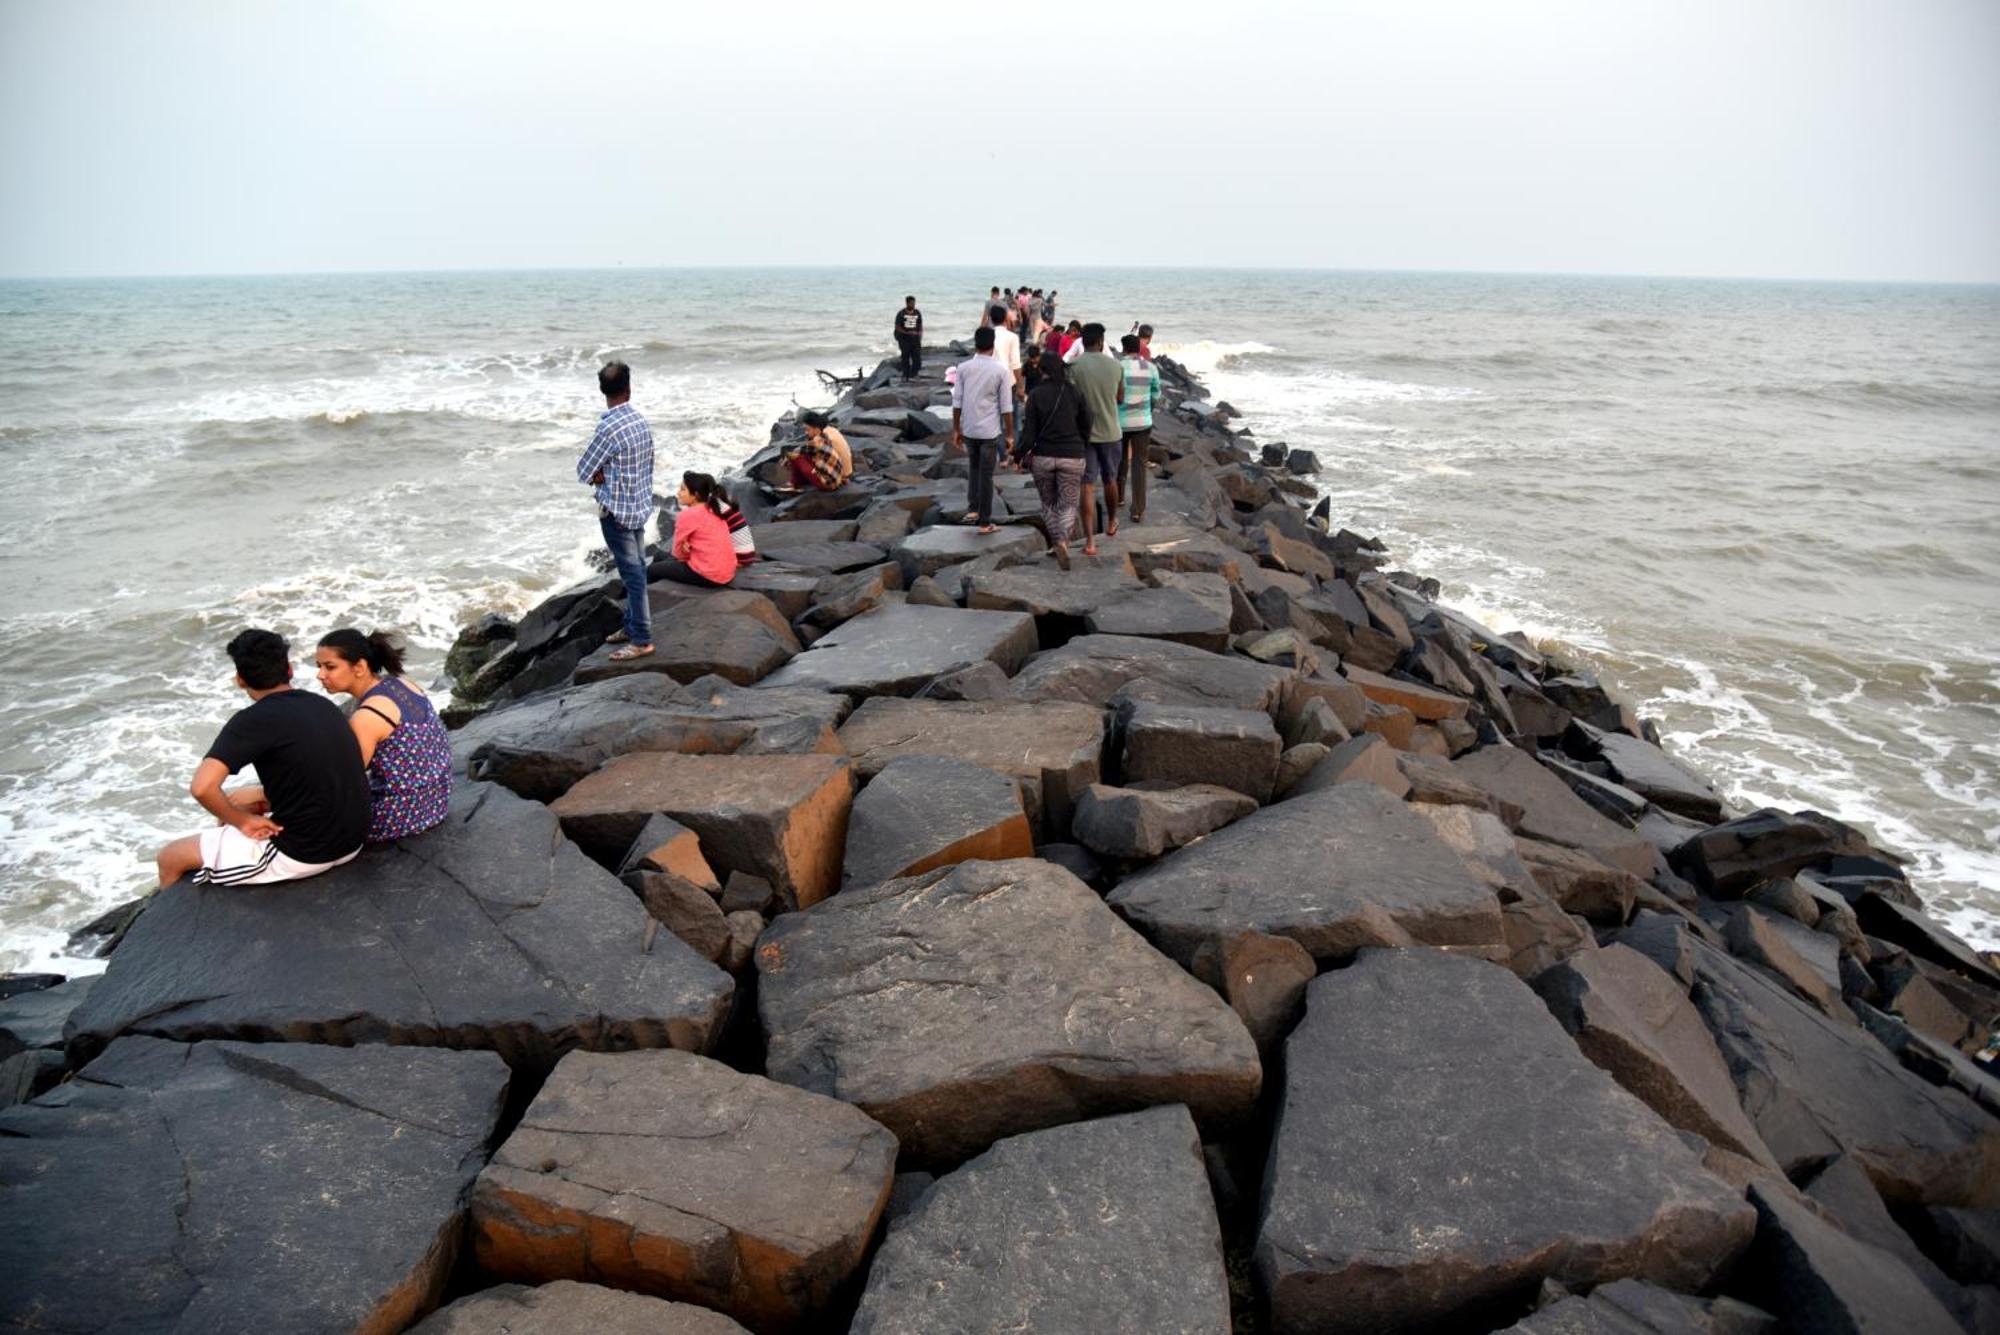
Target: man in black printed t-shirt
[
  {"x": 311, "y": 811},
  {"x": 910, "y": 338}
]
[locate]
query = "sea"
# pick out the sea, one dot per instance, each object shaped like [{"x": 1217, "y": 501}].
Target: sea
[{"x": 1769, "y": 512}]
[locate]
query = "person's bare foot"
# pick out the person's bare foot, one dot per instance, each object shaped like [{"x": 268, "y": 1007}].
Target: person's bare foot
[
  {"x": 1090, "y": 549},
  {"x": 1111, "y": 529},
  {"x": 989, "y": 528}
]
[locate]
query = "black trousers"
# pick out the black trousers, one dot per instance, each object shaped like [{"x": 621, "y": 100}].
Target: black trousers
[
  {"x": 911, "y": 348},
  {"x": 981, "y": 455}
]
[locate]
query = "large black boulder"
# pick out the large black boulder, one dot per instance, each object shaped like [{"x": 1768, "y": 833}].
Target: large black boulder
[
  {"x": 991, "y": 998},
  {"x": 1442, "y": 1148},
  {"x": 1335, "y": 870},
  {"x": 540, "y": 747},
  {"x": 1097, "y": 1228},
  {"x": 242, "y": 1187},
  {"x": 491, "y": 931}
]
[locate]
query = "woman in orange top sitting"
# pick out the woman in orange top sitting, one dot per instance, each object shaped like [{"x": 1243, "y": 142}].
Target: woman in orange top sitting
[{"x": 703, "y": 554}]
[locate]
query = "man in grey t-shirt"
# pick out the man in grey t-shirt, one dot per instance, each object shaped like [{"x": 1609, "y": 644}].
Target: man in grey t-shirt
[{"x": 982, "y": 412}]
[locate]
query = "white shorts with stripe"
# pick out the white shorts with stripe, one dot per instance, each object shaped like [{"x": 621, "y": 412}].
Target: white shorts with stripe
[{"x": 231, "y": 857}]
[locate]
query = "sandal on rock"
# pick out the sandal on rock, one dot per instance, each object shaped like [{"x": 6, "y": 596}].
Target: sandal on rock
[
  {"x": 1111, "y": 528},
  {"x": 988, "y": 528},
  {"x": 630, "y": 652},
  {"x": 1090, "y": 549},
  {"x": 618, "y": 637}
]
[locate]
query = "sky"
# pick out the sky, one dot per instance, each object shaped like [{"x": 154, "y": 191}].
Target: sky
[{"x": 1829, "y": 139}]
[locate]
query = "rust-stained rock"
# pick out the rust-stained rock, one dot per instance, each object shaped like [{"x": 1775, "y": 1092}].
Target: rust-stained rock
[
  {"x": 780, "y": 817},
  {"x": 673, "y": 1175}
]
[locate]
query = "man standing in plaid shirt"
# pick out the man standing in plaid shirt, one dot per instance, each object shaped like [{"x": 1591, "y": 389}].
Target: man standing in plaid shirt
[{"x": 618, "y": 463}]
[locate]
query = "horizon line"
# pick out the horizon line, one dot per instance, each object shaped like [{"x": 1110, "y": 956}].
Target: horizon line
[{"x": 198, "y": 276}]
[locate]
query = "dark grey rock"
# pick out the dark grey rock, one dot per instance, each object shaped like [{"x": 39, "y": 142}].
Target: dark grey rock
[
  {"x": 1653, "y": 774},
  {"x": 539, "y": 748},
  {"x": 1808, "y": 961},
  {"x": 1442, "y": 1145},
  {"x": 568, "y": 1308},
  {"x": 1114, "y": 669},
  {"x": 1039, "y": 1007},
  {"x": 35, "y": 1019},
  {"x": 491, "y": 931},
  {"x": 897, "y": 649},
  {"x": 1967, "y": 1242},
  {"x": 1046, "y": 592},
  {"x": 1089, "y": 1229},
  {"x": 1634, "y": 1019},
  {"x": 1843, "y": 1191},
  {"x": 1334, "y": 870},
  {"x": 1815, "y": 1087},
  {"x": 981, "y": 681},
  {"x": 1144, "y": 823},
  {"x": 921, "y": 812},
  {"x": 1166, "y": 614},
  {"x": 1729, "y": 858},
  {"x": 1580, "y": 883},
  {"x": 674, "y": 1175},
  {"x": 1633, "y": 1307},
  {"x": 1818, "y": 1278},
  {"x": 242, "y": 1186},
  {"x": 1054, "y": 751},
  {"x": 783, "y": 817},
  {"x": 1881, "y": 916},
  {"x": 929, "y": 550},
  {"x": 1550, "y": 811},
  {"x": 1363, "y": 759},
  {"x": 30, "y": 1073},
  {"x": 731, "y": 633},
  {"x": 684, "y": 909},
  {"x": 1184, "y": 744}
]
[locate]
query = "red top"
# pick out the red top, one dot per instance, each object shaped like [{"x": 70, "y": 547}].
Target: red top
[
  {"x": 701, "y": 538},
  {"x": 1063, "y": 343}
]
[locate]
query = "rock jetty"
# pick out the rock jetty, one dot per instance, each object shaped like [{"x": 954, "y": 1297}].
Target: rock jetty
[{"x": 1222, "y": 934}]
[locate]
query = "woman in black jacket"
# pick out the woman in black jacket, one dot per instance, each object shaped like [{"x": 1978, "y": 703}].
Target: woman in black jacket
[{"x": 1054, "y": 427}]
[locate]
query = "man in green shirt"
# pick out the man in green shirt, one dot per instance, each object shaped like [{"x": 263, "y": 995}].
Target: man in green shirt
[{"x": 1098, "y": 377}]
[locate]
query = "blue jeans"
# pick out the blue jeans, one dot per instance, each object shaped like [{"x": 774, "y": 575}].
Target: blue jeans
[{"x": 628, "y": 553}]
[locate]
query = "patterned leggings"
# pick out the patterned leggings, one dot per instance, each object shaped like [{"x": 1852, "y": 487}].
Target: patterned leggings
[{"x": 1058, "y": 481}]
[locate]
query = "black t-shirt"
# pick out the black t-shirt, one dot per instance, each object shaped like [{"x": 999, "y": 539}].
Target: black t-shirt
[
  {"x": 310, "y": 764},
  {"x": 910, "y": 323}
]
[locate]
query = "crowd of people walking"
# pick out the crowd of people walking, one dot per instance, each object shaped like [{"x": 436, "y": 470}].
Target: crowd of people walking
[{"x": 1085, "y": 416}]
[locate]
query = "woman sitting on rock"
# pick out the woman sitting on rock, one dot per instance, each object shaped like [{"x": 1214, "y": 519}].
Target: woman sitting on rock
[
  {"x": 824, "y": 462},
  {"x": 703, "y": 554},
  {"x": 1053, "y": 430},
  {"x": 403, "y": 743}
]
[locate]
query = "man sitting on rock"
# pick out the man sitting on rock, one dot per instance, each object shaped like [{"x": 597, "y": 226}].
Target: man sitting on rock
[{"x": 310, "y": 813}]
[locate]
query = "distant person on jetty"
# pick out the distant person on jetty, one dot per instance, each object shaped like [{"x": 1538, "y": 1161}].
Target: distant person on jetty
[
  {"x": 403, "y": 743},
  {"x": 703, "y": 554},
  {"x": 1146, "y": 342},
  {"x": 1100, "y": 380},
  {"x": 309, "y": 814},
  {"x": 982, "y": 412},
  {"x": 1049, "y": 307},
  {"x": 823, "y": 460},
  {"x": 1038, "y": 316},
  {"x": 986, "y": 311},
  {"x": 1054, "y": 428},
  {"x": 1007, "y": 348},
  {"x": 910, "y": 339},
  {"x": 618, "y": 462},
  {"x": 1141, "y": 394}
]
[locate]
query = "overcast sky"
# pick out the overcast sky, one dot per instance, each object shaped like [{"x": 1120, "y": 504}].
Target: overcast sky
[{"x": 1774, "y": 138}]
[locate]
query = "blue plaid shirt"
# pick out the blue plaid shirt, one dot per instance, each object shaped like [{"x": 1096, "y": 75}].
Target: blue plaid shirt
[{"x": 623, "y": 448}]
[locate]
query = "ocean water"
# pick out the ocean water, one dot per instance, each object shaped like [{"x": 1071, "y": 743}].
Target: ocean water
[{"x": 1769, "y": 511}]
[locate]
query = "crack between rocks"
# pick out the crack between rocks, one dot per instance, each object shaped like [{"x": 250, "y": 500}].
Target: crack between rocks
[{"x": 285, "y": 1078}]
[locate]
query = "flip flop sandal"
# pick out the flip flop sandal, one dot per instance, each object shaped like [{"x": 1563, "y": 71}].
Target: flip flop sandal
[
  {"x": 618, "y": 637},
  {"x": 1111, "y": 529},
  {"x": 630, "y": 652}
]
